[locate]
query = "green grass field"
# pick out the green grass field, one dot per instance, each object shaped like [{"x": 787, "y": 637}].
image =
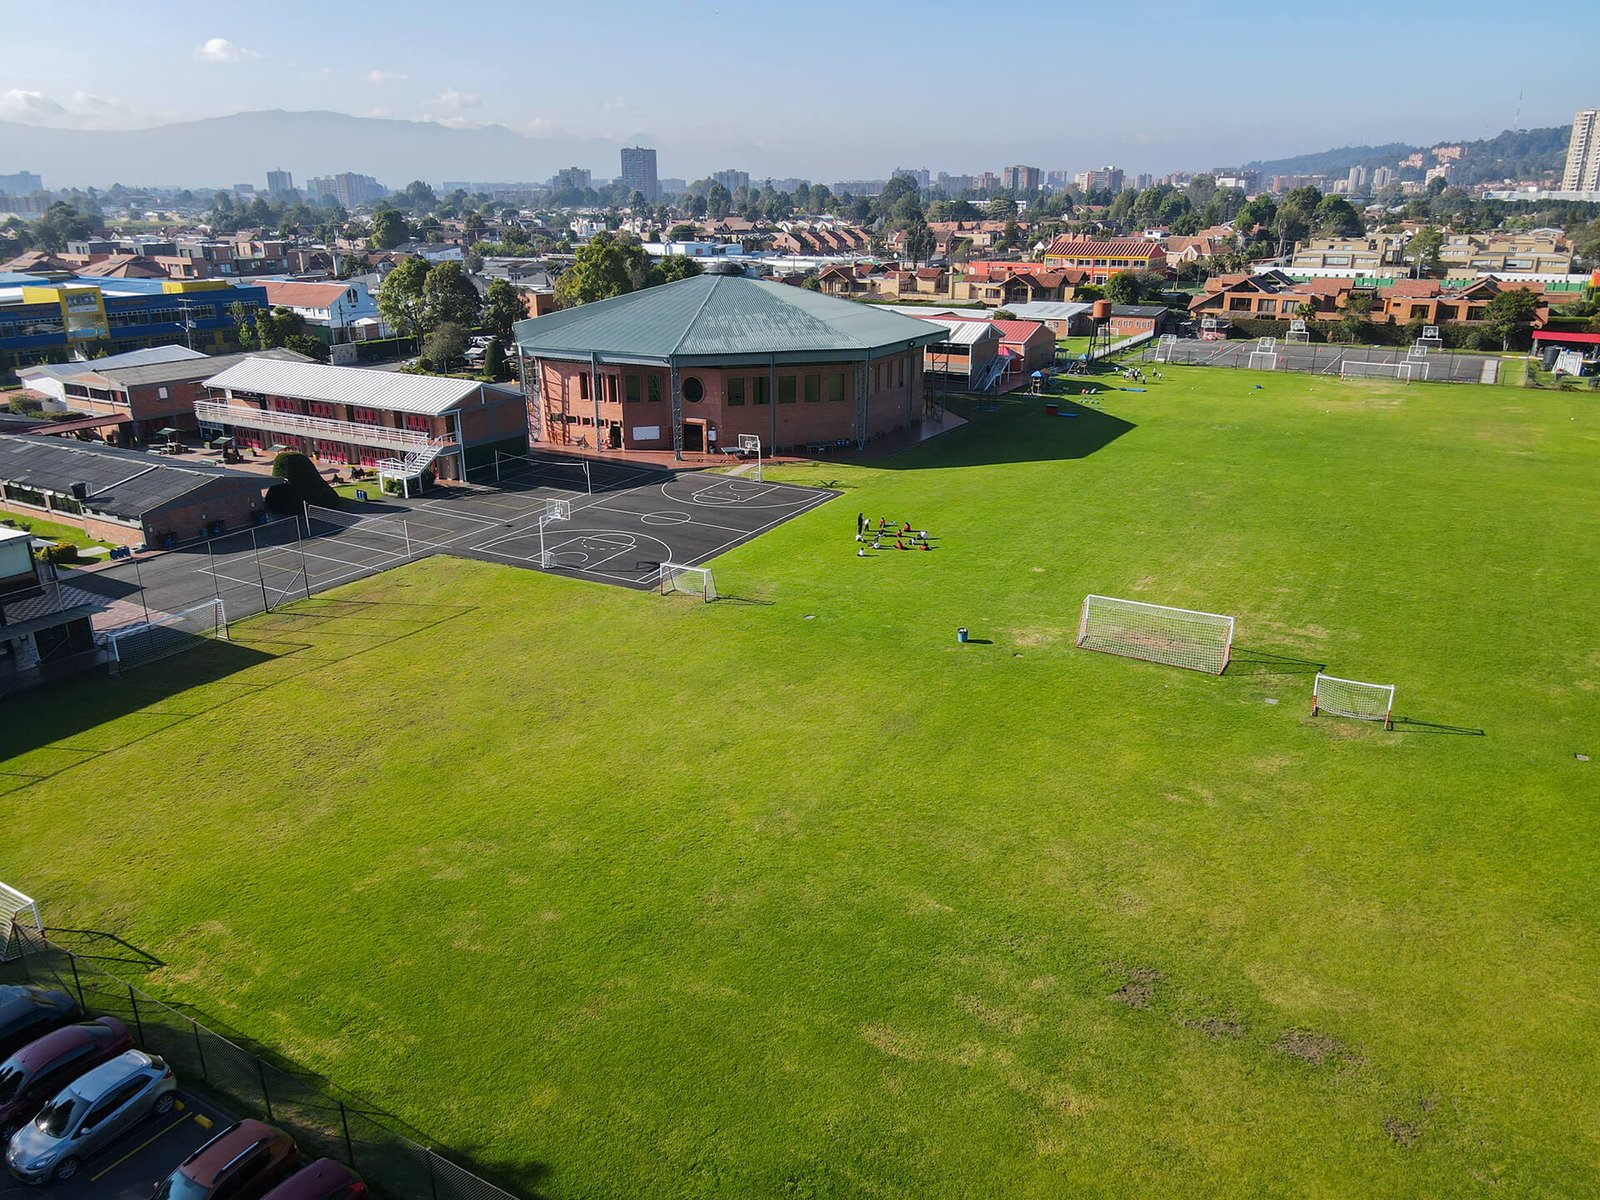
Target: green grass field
[{"x": 790, "y": 895}]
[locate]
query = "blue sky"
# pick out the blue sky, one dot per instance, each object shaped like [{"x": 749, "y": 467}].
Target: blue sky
[{"x": 823, "y": 89}]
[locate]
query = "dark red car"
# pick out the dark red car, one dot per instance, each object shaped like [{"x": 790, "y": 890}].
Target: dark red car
[
  {"x": 28, "y": 1011},
  {"x": 43, "y": 1067},
  {"x": 242, "y": 1162},
  {"x": 325, "y": 1179}
]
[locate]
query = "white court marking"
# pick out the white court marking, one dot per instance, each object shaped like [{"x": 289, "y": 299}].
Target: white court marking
[
  {"x": 729, "y": 493},
  {"x": 666, "y": 517}
]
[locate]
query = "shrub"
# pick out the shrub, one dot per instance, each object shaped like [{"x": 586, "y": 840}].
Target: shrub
[{"x": 304, "y": 481}]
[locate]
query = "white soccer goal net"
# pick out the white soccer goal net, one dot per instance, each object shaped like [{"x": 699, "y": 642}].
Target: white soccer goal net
[
  {"x": 1178, "y": 637},
  {"x": 172, "y": 633},
  {"x": 1299, "y": 335},
  {"x": 688, "y": 581},
  {"x": 1404, "y": 371},
  {"x": 1166, "y": 345},
  {"x": 15, "y": 909},
  {"x": 1352, "y": 698}
]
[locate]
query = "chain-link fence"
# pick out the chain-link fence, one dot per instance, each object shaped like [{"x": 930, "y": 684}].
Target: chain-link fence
[
  {"x": 323, "y": 1124},
  {"x": 1322, "y": 358}
]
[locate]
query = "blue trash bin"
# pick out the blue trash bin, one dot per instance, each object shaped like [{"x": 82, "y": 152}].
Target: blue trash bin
[{"x": 961, "y": 635}]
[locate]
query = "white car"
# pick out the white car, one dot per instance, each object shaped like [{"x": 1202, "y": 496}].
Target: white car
[{"x": 88, "y": 1114}]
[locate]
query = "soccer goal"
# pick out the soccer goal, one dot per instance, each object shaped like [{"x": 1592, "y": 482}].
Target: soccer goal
[
  {"x": 1405, "y": 371},
  {"x": 16, "y": 910},
  {"x": 1430, "y": 341},
  {"x": 1166, "y": 347},
  {"x": 1265, "y": 356},
  {"x": 688, "y": 581},
  {"x": 149, "y": 641},
  {"x": 1352, "y": 698},
  {"x": 1298, "y": 334},
  {"x": 1213, "y": 329},
  {"x": 1178, "y": 637}
]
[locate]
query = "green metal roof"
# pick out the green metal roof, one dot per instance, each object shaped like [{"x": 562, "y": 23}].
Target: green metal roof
[{"x": 713, "y": 318}]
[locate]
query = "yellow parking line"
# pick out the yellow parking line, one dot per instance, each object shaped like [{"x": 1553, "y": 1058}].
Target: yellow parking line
[{"x": 139, "y": 1147}]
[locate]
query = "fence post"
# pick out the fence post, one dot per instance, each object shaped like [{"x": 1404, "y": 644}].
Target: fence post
[
  {"x": 255, "y": 553},
  {"x": 73, "y": 959},
  {"x": 21, "y": 939},
  {"x": 138, "y": 1023},
  {"x": 200, "y": 1050},
  {"x": 261, "y": 1073},
  {"x": 349, "y": 1146},
  {"x": 433, "y": 1179}
]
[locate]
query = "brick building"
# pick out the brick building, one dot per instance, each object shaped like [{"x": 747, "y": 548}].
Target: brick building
[
  {"x": 126, "y": 496},
  {"x": 1100, "y": 260},
  {"x": 400, "y": 424},
  {"x": 691, "y": 365}
]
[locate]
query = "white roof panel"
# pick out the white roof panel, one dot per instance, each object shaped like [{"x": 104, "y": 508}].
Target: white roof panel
[
  {"x": 966, "y": 333},
  {"x": 429, "y": 395},
  {"x": 1048, "y": 310}
]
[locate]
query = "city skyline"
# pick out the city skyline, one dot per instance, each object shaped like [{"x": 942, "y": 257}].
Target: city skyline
[{"x": 702, "y": 122}]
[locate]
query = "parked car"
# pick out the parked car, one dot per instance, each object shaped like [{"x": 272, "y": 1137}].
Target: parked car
[
  {"x": 325, "y": 1179},
  {"x": 242, "y": 1162},
  {"x": 90, "y": 1113},
  {"x": 29, "y": 1011},
  {"x": 43, "y": 1067}
]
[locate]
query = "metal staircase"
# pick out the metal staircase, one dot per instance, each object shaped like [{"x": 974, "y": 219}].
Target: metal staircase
[{"x": 414, "y": 464}]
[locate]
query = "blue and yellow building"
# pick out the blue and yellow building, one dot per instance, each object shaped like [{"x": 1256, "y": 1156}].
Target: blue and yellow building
[{"x": 46, "y": 320}]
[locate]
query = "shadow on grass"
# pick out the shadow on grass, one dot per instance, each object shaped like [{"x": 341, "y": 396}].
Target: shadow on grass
[
  {"x": 1409, "y": 725},
  {"x": 1017, "y": 430},
  {"x": 1248, "y": 661},
  {"x": 106, "y": 950}
]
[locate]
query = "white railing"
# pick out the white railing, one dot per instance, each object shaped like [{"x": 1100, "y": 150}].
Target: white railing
[{"x": 210, "y": 412}]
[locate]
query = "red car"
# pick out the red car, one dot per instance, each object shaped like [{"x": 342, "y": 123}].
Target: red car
[
  {"x": 240, "y": 1163},
  {"x": 325, "y": 1179},
  {"x": 42, "y": 1068}
]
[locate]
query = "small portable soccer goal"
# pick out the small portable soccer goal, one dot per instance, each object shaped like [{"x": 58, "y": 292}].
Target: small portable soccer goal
[
  {"x": 1178, "y": 637},
  {"x": 172, "y": 633},
  {"x": 1213, "y": 329},
  {"x": 17, "y": 912},
  {"x": 1166, "y": 346},
  {"x": 1430, "y": 339},
  {"x": 677, "y": 579},
  {"x": 1265, "y": 356},
  {"x": 1406, "y": 371},
  {"x": 1354, "y": 699},
  {"x": 1298, "y": 334}
]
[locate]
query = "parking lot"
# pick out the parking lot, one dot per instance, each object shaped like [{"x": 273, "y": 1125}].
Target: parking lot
[{"x": 132, "y": 1166}]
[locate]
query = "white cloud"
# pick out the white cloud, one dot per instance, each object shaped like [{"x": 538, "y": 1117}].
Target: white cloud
[
  {"x": 376, "y": 76},
  {"x": 221, "y": 50},
  {"x": 458, "y": 101},
  {"x": 80, "y": 110},
  {"x": 456, "y": 122},
  {"x": 617, "y": 104}
]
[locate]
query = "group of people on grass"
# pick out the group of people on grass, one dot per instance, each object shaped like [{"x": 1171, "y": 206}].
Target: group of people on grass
[{"x": 872, "y": 537}]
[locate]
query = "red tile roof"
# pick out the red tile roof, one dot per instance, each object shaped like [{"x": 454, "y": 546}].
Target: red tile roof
[
  {"x": 302, "y": 295},
  {"x": 1087, "y": 248}
]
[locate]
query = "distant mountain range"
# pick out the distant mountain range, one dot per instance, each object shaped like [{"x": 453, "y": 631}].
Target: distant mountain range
[
  {"x": 222, "y": 151},
  {"x": 1514, "y": 154}
]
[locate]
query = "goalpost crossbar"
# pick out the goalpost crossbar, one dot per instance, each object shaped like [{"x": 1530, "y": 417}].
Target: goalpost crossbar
[
  {"x": 1353, "y": 698},
  {"x": 693, "y": 581},
  {"x": 1177, "y": 637},
  {"x": 146, "y": 642},
  {"x": 16, "y": 908}
]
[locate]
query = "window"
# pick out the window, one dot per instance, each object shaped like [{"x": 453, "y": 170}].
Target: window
[
  {"x": 583, "y": 387},
  {"x": 655, "y": 389},
  {"x": 759, "y": 390},
  {"x": 418, "y": 423},
  {"x": 813, "y": 389},
  {"x": 735, "y": 391},
  {"x": 693, "y": 390},
  {"x": 902, "y": 372},
  {"x": 631, "y": 389},
  {"x": 836, "y": 388},
  {"x": 786, "y": 389}
]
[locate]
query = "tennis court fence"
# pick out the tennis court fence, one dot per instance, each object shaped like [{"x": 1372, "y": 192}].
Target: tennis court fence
[{"x": 323, "y": 1121}]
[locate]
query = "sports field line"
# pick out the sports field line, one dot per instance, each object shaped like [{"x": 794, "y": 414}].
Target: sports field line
[{"x": 747, "y": 536}]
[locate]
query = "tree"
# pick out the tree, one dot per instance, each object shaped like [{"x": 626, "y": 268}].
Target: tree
[
  {"x": 494, "y": 361},
  {"x": 718, "y": 202},
  {"x": 1586, "y": 241},
  {"x": 1336, "y": 217},
  {"x": 1001, "y": 207},
  {"x": 672, "y": 268},
  {"x": 388, "y": 229},
  {"x": 308, "y": 344},
  {"x": 502, "y": 308},
  {"x": 682, "y": 232},
  {"x": 919, "y": 241},
  {"x": 61, "y": 223},
  {"x": 1122, "y": 288},
  {"x": 1509, "y": 313},
  {"x": 302, "y": 484},
  {"x": 400, "y": 296},
  {"x": 1425, "y": 246},
  {"x": 444, "y": 345},
  {"x": 448, "y": 297},
  {"x": 1357, "y": 308},
  {"x": 1296, "y": 213},
  {"x": 603, "y": 268},
  {"x": 811, "y": 283}
]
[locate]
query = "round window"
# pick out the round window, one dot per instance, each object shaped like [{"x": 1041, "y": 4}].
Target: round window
[{"x": 693, "y": 390}]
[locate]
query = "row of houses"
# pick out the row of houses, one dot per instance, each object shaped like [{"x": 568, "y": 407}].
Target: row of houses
[
  {"x": 1537, "y": 252},
  {"x": 1276, "y": 295}
]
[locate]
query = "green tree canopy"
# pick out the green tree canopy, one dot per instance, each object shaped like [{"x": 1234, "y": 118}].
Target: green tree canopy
[
  {"x": 1424, "y": 247},
  {"x": 445, "y": 345},
  {"x": 671, "y": 268},
  {"x": 1336, "y": 217},
  {"x": 61, "y": 223},
  {"x": 603, "y": 268},
  {"x": 448, "y": 297},
  {"x": 502, "y": 308},
  {"x": 388, "y": 229},
  {"x": 400, "y": 296},
  {"x": 1509, "y": 313}
]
